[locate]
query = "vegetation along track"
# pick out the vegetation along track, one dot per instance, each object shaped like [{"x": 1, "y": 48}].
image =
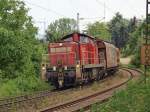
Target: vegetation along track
[
  {"x": 20, "y": 103},
  {"x": 24, "y": 101},
  {"x": 86, "y": 102}
]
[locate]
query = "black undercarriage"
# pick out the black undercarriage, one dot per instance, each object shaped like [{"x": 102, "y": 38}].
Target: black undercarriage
[{"x": 68, "y": 78}]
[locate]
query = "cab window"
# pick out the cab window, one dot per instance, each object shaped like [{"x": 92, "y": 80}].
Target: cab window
[
  {"x": 84, "y": 39},
  {"x": 68, "y": 39}
]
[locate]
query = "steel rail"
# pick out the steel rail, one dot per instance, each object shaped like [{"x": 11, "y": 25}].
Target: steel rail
[
  {"x": 69, "y": 104},
  {"x": 14, "y": 101},
  {"x": 11, "y": 101},
  {"x": 88, "y": 107}
]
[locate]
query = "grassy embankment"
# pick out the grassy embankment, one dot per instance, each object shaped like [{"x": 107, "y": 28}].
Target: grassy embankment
[
  {"x": 135, "y": 98},
  {"x": 22, "y": 85}
]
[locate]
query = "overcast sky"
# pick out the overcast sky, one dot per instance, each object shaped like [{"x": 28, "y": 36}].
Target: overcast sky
[{"x": 46, "y": 11}]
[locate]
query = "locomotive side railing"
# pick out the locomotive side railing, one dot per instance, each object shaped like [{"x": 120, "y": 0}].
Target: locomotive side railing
[
  {"x": 93, "y": 61},
  {"x": 47, "y": 59}
]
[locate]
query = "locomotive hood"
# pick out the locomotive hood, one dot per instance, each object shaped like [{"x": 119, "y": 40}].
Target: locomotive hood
[{"x": 62, "y": 54}]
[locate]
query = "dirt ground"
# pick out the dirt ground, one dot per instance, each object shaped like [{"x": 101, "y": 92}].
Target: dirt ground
[
  {"x": 79, "y": 93},
  {"x": 125, "y": 61}
]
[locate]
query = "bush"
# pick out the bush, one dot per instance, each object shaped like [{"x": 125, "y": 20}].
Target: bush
[
  {"x": 20, "y": 50},
  {"x": 134, "y": 99},
  {"x": 136, "y": 59},
  {"x": 22, "y": 85}
]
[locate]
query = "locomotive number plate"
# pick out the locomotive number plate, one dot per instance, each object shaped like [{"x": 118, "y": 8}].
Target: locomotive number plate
[{"x": 145, "y": 54}]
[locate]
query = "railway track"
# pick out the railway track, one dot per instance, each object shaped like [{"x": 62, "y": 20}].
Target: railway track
[
  {"x": 12, "y": 103},
  {"x": 15, "y": 103},
  {"x": 86, "y": 102}
]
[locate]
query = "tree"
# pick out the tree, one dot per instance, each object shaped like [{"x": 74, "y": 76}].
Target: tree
[
  {"x": 60, "y": 28},
  {"x": 135, "y": 41},
  {"x": 118, "y": 28},
  {"x": 99, "y": 30},
  {"x": 133, "y": 37},
  {"x": 20, "y": 51},
  {"x": 17, "y": 40},
  {"x": 133, "y": 24}
]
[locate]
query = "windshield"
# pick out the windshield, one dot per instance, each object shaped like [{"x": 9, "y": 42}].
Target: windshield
[{"x": 60, "y": 50}]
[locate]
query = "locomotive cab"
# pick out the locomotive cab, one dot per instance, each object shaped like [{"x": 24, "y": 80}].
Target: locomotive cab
[{"x": 62, "y": 64}]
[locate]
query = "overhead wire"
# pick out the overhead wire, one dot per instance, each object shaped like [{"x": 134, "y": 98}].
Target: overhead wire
[
  {"x": 108, "y": 8},
  {"x": 46, "y": 9},
  {"x": 57, "y": 13},
  {"x": 72, "y": 7},
  {"x": 133, "y": 8},
  {"x": 70, "y": 1},
  {"x": 111, "y": 10},
  {"x": 94, "y": 18}
]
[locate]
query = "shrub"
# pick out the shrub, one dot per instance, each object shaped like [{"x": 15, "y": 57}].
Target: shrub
[
  {"x": 22, "y": 85},
  {"x": 136, "y": 59},
  {"x": 134, "y": 99}
]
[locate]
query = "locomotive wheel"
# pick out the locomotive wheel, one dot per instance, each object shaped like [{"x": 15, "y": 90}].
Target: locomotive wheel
[
  {"x": 98, "y": 77},
  {"x": 56, "y": 84},
  {"x": 103, "y": 75},
  {"x": 110, "y": 72}
]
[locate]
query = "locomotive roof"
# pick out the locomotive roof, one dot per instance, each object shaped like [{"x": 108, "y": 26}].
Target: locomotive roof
[{"x": 82, "y": 34}]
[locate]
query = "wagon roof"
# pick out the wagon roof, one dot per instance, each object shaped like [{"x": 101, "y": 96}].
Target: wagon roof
[{"x": 82, "y": 34}]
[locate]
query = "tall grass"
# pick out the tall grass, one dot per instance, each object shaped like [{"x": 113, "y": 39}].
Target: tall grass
[
  {"x": 136, "y": 98},
  {"x": 22, "y": 85}
]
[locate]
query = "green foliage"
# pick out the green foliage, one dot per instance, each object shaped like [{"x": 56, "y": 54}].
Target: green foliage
[
  {"x": 15, "y": 53},
  {"x": 22, "y": 85},
  {"x": 95, "y": 108},
  {"x": 134, "y": 98},
  {"x": 38, "y": 50},
  {"x": 135, "y": 39},
  {"x": 82, "y": 110},
  {"x": 99, "y": 30},
  {"x": 60, "y": 28},
  {"x": 134, "y": 42},
  {"x": 20, "y": 52},
  {"x": 17, "y": 35},
  {"x": 136, "y": 59},
  {"x": 118, "y": 28}
]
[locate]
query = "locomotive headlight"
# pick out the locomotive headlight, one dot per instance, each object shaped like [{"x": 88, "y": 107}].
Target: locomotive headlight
[
  {"x": 54, "y": 68},
  {"x": 77, "y": 66},
  {"x": 65, "y": 67},
  {"x": 43, "y": 68},
  {"x": 60, "y": 44}
]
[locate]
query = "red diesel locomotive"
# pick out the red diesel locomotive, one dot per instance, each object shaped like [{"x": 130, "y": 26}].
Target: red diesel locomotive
[{"x": 79, "y": 58}]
